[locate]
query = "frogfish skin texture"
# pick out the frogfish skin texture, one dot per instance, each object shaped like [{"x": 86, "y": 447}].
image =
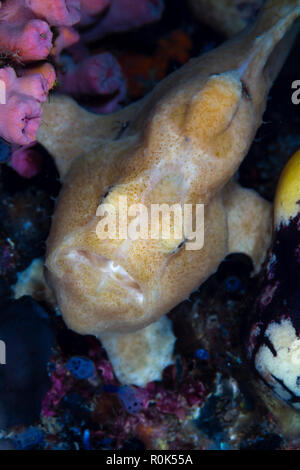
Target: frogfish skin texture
[{"x": 182, "y": 144}]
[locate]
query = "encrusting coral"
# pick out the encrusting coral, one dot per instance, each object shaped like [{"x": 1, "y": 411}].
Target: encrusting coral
[
  {"x": 181, "y": 144},
  {"x": 228, "y": 17}
]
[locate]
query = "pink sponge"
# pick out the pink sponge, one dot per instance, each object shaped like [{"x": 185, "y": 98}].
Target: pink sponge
[
  {"x": 123, "y": 15},
  {"x": 45, "y": 69},
  {"x": 56, "y": 12},
  {"x": 29, "y": 41},
  {"x": 20, "y": 115},
  {"x": 91, "y": 9},
  {"x": 21, "y": 120},
  {"x": 26, "y": 161},
  {"x": 67, "y": 37},
  {"x": 96, "y": 75},
  {"x": 111, "y": 103},
  {"x": 25, "y": 25},
  {"x": 26, "y": 37}
]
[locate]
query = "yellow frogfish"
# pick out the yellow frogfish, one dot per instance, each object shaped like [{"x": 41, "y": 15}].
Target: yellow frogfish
[{"x": 179, "y": 146}]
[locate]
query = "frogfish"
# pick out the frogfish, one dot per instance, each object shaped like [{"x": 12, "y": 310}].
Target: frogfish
[{"x": 180, "y": 145}]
